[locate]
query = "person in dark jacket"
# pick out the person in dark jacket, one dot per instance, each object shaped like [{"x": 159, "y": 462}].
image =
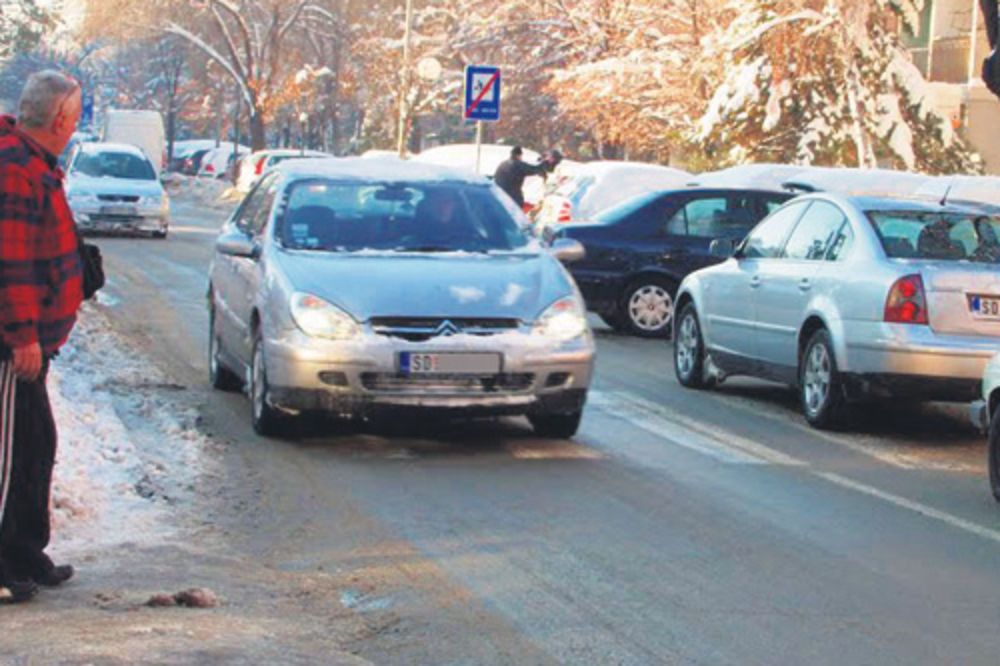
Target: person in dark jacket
[
  {"x": 511, "y": 173},
  {"x": 40, "y": 292},
  {"x": 991, "y": 65}
]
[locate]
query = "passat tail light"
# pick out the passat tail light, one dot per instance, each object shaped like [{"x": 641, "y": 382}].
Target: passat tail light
[
  {"x": 907, "y": 303},
  {"x": 259, "y": 167},
  {"x": 565, "y": 212}
]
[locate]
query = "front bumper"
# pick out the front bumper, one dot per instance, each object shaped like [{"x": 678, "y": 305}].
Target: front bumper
[
  {"x": 361, "y": 377},
  {"x": 93, "y": 219}
]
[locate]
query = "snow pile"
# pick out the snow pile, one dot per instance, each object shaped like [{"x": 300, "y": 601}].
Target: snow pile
[
  {"x": 128, "y": 447},
  {"x": 213, "y": 192}
]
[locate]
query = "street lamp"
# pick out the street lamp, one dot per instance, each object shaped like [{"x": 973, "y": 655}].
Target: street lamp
[{"x": 403, "y": 103}]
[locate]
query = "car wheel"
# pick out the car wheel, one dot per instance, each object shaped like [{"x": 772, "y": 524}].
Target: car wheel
[
  {"x": 267, "y": 420},
  {"x": 647, "y": 307},
  {"x": 557, "y": 426},
  {"x": 994, "y": 454},
  {"x": 221, "y": 377},
  {"x": 689, "y": 351},
  {"x": 160, "y": 234},
  {"x": 820, "y": 389}
]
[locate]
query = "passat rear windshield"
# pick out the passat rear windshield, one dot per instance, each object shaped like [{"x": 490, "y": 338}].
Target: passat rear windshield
[
  {"x": 938, "y": 235},
  {"x": 339, "y": 216}
]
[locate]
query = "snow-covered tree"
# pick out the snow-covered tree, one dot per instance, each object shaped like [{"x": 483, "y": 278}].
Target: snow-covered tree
[
  {"x": 22, "y": 24},
  {"x": 257, "y": 43},
  {"x": 826, "y": 82}
]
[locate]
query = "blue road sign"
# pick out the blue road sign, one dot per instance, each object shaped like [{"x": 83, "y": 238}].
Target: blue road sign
[
  {"x": 482, "y": 92},
  {"x": 87, "y": 114}
]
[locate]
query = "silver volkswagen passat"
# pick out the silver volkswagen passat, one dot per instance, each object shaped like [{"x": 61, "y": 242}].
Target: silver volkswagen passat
[
  {"x": 848, "y": 296},
  {"x": 351, "y": 285}
]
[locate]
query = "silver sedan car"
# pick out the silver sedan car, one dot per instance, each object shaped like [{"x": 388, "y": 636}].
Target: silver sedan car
[
  {"x": 846, "y": 297},
  {"x": 350, "y": 286}
]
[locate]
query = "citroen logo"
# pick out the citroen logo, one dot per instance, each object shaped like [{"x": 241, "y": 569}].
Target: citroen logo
[{"x": 446, "y": 328}]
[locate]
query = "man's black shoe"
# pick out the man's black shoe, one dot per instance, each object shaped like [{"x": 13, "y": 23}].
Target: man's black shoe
[
  {"x": 55, "y": 576},
  {"x": 20, "y": 590}
]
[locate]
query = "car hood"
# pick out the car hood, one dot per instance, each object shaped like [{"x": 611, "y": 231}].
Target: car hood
[
  {"x": 367, "y": 285},
  {"x": 107, "y": 185}
]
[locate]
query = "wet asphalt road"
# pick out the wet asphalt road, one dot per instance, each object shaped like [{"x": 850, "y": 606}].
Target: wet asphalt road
[{"x": 678, "y": 527}]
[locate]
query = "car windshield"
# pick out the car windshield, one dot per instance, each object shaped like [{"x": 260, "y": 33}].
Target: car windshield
[
  {"x": 338, "y": 216},
  {"x": 938, "y": 235},
  {"x": 107, "y": 164}
]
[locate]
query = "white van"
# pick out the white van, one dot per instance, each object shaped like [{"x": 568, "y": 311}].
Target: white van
[{"x": 143, "y": 129}]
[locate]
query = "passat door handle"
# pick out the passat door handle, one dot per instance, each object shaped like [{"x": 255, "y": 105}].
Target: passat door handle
[
  {"x": 755, "y": 282},
  {"x": 804, "y": 284}
]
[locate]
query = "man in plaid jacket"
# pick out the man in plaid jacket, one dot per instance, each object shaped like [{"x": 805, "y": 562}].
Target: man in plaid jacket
[{"x": 40, "y": 292}]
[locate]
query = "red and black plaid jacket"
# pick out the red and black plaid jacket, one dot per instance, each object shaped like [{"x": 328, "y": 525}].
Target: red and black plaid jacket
[{"x": 41, "y": 284}]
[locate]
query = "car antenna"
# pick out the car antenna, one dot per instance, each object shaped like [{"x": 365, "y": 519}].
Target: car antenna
[{"x": 947, "y": 191}]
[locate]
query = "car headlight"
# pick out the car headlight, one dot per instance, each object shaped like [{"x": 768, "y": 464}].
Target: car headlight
[
  {"x": 151, "y": 201},
  {"x": 563, "y": 320},
  {"x": 321, "y": 319}
]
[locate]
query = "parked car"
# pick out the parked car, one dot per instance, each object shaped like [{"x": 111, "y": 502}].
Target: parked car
[
  {"x": 638, "y": 252},
  {"x": 986, "y": 416},
  {"x": 259, "y": 162},
  {"x": 184, "y": 149},
  {"x": 113, "y": 187},
  {"x": 593, "y": 186},
  {"x": 192, "y": 163},
  {"x": 458, "y": 311},
  {"x": 846, "y": 297},
  {"x": 140, "y": 128},
  {"x": 219, "y": 162}
]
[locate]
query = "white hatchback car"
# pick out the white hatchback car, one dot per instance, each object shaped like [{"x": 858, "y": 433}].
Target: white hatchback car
[
  {"x": 847, "y": 296},
  {"x": 113, "y": 187},
  {"x": 986, "y": 416}
]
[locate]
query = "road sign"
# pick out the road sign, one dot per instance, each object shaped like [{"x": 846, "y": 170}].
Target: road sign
[
  {"x": 87, "y": 112},
  {"x": 482, "y": 92}
]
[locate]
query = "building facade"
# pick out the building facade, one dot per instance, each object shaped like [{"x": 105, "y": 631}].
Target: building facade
[{"x": 949, "y": 49}]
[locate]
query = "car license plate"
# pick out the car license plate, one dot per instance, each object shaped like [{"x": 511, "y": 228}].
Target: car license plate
[
  {"x": 420, "y": 363},
  {"x": 984, "y": 307},
  {"x": 125, "y": 211}
]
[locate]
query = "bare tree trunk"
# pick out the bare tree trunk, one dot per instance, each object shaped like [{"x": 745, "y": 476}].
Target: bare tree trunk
[{"x": 257, "y": 137}]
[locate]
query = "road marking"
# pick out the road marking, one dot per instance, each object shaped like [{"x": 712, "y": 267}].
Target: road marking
[
  {"x": 682, "y": 431},
  {"x": 902, "y": 502}
]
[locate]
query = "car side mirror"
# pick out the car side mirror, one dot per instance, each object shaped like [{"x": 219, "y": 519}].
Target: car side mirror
[
  {"x": 568, "y": 250},
  {"x": 236, "y": 244},
  {"x": 723, "y": 248}
]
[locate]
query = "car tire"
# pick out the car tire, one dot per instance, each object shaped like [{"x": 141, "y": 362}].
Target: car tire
[
  {"x": 689, "y": 351},
  {"x": 267, "y": 420},
  {"x": 821, "y": 391},
  {"x": 160, "y": 234},
  {"x": 556, "y": 426},
  {"x": 647, "y": 307},
  {"x": 994, "y": 454},
  {"x": 221, "y": 377}
]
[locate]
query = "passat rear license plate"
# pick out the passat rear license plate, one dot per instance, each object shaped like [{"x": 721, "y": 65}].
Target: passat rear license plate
[
  {"x": 422, "y": 363},
  {"x": 984, "y": 307}
]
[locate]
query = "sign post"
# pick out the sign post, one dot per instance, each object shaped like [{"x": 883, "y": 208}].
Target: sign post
[{"x": 482, "y": 99}]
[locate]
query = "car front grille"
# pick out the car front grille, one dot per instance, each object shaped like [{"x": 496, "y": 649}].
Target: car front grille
[
  {"x": 118, "y": 198},
  {"x": 450, "y": 384},
  {"x": 418, "y": 329}
]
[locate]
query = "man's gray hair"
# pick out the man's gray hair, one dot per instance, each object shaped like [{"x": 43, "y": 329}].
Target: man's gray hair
[{"x": 42, "y": 95}]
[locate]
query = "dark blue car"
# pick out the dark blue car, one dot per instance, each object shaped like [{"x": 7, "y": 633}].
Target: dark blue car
[{"x": 639, "y": 251}]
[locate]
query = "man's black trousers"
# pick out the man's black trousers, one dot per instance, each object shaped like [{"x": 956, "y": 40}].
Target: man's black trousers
[{"x": 24, "y": 528}]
